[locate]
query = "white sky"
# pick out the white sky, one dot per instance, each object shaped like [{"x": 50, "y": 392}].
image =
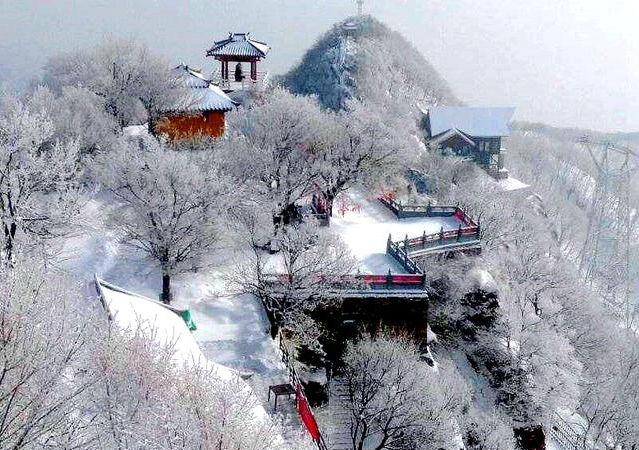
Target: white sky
[{"x": 563, "y": 62}]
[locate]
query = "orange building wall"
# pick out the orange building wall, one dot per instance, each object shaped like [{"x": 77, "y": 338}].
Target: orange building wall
[{"x": 185, "y": 126}]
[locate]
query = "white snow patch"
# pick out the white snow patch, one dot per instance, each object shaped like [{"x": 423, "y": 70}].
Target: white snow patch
[
  {"x": 364, "y": 224},
  {"x": 511, "y": 184},
  {"x": 483, "y": 280},
  {"x": 136, "y": 130}
]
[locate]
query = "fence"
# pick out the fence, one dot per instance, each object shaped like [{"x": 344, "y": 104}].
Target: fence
[
  {"x": 403, "y": 211},
  {"x": 402, "y": 257},
  {"x": 443, "y": 238},
  {"x": 387, "y": 281},
  {"x": 303, "y": 407},
  {"x": 566, "y": 435}
]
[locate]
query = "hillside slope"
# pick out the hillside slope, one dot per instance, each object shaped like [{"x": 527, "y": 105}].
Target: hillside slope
[{"x": 362, "y": 58}]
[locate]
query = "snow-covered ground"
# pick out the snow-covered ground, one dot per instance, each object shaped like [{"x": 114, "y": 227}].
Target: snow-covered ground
[
  {"x": 364, "y": 224},
  {"x": 233, "y": 330}
]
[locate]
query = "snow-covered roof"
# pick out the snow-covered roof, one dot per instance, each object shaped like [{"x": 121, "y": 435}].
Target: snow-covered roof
[
  {"x": 239, "y": 44},
  {"x": 201, "y": 95},
  {"x": 472, "y": 121},
  {"x": 443, "y": 137},
  {"x": 130, "y": 311},
  {"x": 189, "y": 77}
]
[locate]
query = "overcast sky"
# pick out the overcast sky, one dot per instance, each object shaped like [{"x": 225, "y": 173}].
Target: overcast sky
[{"x": 563, "y": 62}]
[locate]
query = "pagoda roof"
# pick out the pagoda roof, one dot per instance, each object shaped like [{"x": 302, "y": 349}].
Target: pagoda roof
[
  {"x": 239, "y": 44},
  {"x": 200, "y": 94}
]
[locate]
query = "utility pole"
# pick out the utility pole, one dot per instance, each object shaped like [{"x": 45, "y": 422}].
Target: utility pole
[{"x": 605, "y": 256}]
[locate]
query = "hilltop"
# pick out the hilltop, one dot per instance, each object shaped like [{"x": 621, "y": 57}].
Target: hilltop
[{"x": 362, "y": 58}]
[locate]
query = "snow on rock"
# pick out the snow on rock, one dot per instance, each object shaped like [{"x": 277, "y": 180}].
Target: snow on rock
[
  {"x": 364, "y": 224},
  {"x": 511, "y": 184},
  {"x": 482, "y": 279}
]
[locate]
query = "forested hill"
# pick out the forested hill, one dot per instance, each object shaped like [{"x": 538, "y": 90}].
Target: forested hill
[{"x": 362, "y": 58}]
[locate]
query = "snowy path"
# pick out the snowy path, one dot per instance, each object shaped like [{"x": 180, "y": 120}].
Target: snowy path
[{"x": 366, "y": 225}]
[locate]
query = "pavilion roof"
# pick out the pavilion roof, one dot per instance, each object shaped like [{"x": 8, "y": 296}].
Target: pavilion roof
[
  {"x": 239, "y": 44},
  {"x": 471, "y": 121},
  {"x": 200, "y": 94}
]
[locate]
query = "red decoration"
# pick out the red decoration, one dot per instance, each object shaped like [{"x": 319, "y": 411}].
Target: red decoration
[{"x": 306, "y": 414}]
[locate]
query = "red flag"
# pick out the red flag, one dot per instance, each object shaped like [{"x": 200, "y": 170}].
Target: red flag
[{"x": 306, "y": 414}]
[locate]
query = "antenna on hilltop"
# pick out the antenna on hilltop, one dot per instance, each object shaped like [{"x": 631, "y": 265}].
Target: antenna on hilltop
[{"x": 360, "y": 7}]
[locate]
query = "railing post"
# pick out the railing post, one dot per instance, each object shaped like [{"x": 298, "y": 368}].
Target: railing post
[
  {"x": 400, "y": 209},
  {"x": 478, "y": 228},
  {"x": 406, "y": 245},
  {"x": 428, "y": 209},
  {"x": 389, "y": 244},
  {"x": 459, "y": 232},
  {"x": 441, "y": 234},
  {"x": 424, "y": 239},
  {"x": 389, "y": 278}
]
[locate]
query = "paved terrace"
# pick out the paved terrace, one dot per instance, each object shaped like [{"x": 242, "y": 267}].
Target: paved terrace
[{"x": 364, "y": 224}]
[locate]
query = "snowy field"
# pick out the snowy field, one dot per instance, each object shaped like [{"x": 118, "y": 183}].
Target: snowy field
[{"x": 365, "y": 227}]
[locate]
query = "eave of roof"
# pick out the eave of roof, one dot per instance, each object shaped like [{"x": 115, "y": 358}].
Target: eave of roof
[
  {"x": 239, "y": 44},
  {"x": 442, "y": 137},
  {"x": 200, "y": 94}
]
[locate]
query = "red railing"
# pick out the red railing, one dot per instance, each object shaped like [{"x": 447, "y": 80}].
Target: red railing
[
  {"x": 388, "y": 280},
  {"x": 302, "y": 405},
  {"x": 430, "y": 241}
]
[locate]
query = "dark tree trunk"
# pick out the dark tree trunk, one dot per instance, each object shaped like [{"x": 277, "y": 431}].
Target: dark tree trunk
[
  {"x": 166, "y": 288},
  {"x": 9, "y": 235}
]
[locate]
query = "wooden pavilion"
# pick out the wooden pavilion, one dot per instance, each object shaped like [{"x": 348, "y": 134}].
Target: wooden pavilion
[{"x": 238, "y": 48}]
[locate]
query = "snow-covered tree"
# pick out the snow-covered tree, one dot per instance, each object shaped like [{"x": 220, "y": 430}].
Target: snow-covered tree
[
  {"x": 270, "y": 148},
  {"x": 360, "y": 147},
  {"x": 170, "y": 204},
  {"x": 141, "y": 398},
  {"x": 610, "y": 399},
  {"x": 297, "y": 280},
  {"x": 135, "y": 84},
  {"x": 397, "y": 401},
  {"x": 77, "y": 114},
  {"x": 487, "y": 431},
  {"x": 45, "y": 344},
  {"x": 40, "y": 192},
  {"x": 541, "y": 372}
]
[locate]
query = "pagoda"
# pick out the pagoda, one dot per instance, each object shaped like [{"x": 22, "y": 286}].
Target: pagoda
[{"x": 239, "y": 49}]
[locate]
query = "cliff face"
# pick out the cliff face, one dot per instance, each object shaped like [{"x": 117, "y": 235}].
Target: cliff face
[{"x": 362, "y": 58}]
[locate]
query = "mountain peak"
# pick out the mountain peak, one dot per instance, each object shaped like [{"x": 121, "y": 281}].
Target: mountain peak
[{"x": 362, "y": 58}]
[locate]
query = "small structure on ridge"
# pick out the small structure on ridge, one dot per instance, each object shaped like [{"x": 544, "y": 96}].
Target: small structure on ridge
[{"x": 471, "y": 132}]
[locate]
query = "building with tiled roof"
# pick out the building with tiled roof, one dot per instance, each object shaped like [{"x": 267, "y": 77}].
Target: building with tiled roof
[
  {"x": 471, "y": 132},
  {"x": 199, "y": 108}
]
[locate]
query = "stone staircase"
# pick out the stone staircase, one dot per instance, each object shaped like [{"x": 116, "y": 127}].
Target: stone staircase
[{"x": 339, "y": 432}]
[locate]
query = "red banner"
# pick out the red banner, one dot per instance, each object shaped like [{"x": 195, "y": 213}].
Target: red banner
[{"x": 306, "y": 414}]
